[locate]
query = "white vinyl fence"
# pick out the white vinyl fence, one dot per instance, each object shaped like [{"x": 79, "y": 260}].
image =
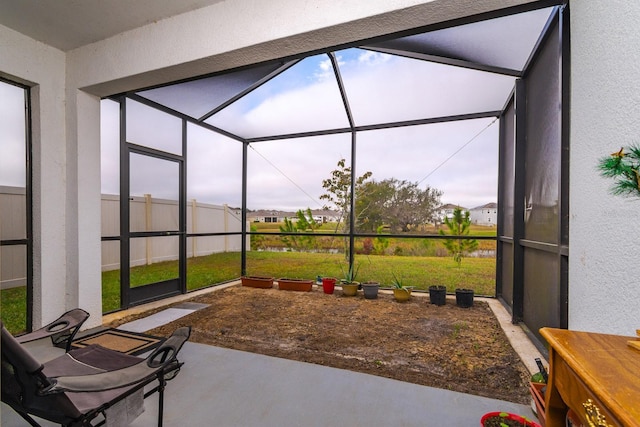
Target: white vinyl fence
[
  {"x": 13, "y": 226},
  {"x": 147, "y": 214}
]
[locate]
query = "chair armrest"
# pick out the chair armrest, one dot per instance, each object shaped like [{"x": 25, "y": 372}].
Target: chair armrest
[
  {"x": 61, "y": 330},
  {"x": 170, "y": 348}
]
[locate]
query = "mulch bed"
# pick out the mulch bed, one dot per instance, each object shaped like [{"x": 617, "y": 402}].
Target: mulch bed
[{"x": 460, "y": 349}]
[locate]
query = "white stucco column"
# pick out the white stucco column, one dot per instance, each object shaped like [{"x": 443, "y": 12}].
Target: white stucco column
[
  {"x": 84, "y": 286},
  {"x": 604, "y": 272},
  {"x": 42, "y": 68}
]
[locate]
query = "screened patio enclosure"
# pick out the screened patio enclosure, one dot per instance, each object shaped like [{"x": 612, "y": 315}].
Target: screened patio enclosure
[{"x": 473, "y": 109}]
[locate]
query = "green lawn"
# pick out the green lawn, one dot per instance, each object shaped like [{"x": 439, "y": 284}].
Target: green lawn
[
  {"x": 420, "y": 272},
  {"x": 13, "y": 303},
  {"x": 417, "y": 271}
]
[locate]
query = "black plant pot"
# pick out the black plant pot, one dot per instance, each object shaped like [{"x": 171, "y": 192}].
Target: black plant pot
[
  {"x": 370, "y": 290},
  {"x": 464, "y": 298},
  {"x": 438, "y": 294}
]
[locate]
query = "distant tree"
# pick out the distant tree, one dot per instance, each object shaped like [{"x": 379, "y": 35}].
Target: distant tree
[
  {"x": 398, "y": 204},
  {"x": 411, "y": 205},
  {"x": 372, "y": 205},
  {"x": 459, "y": 225}
]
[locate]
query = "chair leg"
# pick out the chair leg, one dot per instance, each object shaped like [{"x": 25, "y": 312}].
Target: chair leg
[{"x": 161, "y": 387}]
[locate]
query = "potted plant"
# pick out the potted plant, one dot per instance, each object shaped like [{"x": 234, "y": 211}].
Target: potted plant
[
  {"x": 506, "y": 419},
  {"x": 328, "y": 284},
  {"x": 537, "y": 399},
  {"x": 370, "y": 289},
  {"x": 303, "y": 285},
  {"x": 257, "y": 282},
  {"x": 348, "y": 282},
  {"x": 464, "y": 297},
  {"x": 537, "y": 388},
  {"x": 438, "y": 294},
  {"x": 401, "y": 292}
]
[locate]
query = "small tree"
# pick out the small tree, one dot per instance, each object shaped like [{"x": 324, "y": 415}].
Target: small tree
[
  {"x": 459, "y": 225},
  {"x": 304, "y": 224},
  {"x": 338, "y": 195},
  {"x": 257, "y": 240},
  {"x": 338, "y": 191},
  {"x": 381, "y": 243}
]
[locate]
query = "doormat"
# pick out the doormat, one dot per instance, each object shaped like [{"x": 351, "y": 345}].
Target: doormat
[{"x": 132, "y": 343}]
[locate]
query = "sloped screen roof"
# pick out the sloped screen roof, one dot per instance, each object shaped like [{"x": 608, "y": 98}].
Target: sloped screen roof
[{"x": 462, "y": 70}]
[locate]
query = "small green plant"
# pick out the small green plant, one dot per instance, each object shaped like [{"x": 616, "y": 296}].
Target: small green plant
[
  {"x": 257, "y": 240},
  {"x": 459, "y": 225},
  {"x": 350, "y": 275},
  {"x": 380, "y": 244},
  {"x": 624, "y": 168},
  {"x": 304, "y": 223},
  {"x": 397, "y": 282},
  {"x": 507, "y": 416},
  {"x": 457, "y": 328},
  {"x": 537, "y": 378}
]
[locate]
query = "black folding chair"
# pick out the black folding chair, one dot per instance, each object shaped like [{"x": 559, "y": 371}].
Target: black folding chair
[{"x": 85, "y": 385}]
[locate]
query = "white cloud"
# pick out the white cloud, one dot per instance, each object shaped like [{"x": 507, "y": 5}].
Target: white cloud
[{"x": 370, "y": 57}]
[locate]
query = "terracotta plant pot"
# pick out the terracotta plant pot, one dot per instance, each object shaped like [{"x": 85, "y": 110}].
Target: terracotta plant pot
[
  {"x": 493, "y": 419},
  {"x": 257, "y": 282},
  {"x": 537, "y": 401},
  {"x": 328, "y": 285},
  {"x": 464, "y": 298},
  {"x": 350, "y": 289},
  {"x": 370, "y": 290},
  {"x": 438, "y": 294},
  {"x": 402, "y": 294},
  {"x": 302, "y": 285}
]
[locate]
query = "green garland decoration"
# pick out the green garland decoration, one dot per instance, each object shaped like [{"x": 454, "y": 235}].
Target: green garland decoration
[{"x": 623, "y": 167}]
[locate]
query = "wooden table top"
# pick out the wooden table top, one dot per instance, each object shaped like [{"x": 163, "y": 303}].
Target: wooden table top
[{"x": 607, "y": 365}]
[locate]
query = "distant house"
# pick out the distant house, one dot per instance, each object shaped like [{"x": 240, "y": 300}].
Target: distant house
[
  {"x": 325, "y": 215},
  {"x": 263, "y": 215},
  {"x": 267, "y": 215},
  {"x": 446, "y": 211},
  {"x": 485, "y": 214}
]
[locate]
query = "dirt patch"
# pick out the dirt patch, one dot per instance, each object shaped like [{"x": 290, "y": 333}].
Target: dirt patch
[{"x": 446, "y": 347}]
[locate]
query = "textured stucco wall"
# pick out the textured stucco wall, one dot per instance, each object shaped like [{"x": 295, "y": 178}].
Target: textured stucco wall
[
  {"x": 604, "y": 272},
  {"x": 43, "y": 68},
  {"x": 243, "y": 32}
]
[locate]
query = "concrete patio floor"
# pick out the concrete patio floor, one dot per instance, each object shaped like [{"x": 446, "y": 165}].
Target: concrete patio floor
[{"x": 223, "y": 387}]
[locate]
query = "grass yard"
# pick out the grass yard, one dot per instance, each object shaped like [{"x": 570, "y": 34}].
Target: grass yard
[
  {"x": 13, "y": 305},
  {"x": 417, "y": 271}
]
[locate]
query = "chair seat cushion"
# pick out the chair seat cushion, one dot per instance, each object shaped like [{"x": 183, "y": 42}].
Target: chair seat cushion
[{"x": 90, "y": 360}]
